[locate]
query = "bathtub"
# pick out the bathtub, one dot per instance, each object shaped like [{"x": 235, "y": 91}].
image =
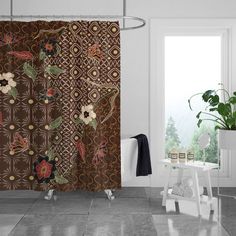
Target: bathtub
[{"x": 129, "y": 155}]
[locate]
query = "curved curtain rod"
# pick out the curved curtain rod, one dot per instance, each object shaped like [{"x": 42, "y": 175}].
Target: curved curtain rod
[{"x": 141, "y": 21}]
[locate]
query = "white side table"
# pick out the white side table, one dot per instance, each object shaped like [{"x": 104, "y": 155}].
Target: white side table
[{"x": 194, "y": 167}]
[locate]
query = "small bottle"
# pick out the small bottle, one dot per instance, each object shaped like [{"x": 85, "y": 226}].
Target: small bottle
[
  {"x": 182, "y": 156},
  {"x": 190, "y": 156},
  {"x": 174, "y": 156}
]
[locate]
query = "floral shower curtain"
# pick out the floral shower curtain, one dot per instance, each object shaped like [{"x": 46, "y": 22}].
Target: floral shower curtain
[{"x": 59, "y": 105}]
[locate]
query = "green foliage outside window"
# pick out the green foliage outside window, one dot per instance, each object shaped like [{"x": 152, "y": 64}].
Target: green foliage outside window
[
  {"x": 172, "y": 141},
  {"x": 171, "y": 138}
]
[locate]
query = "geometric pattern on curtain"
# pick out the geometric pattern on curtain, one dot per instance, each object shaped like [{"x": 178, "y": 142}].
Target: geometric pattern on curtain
[{"x": 60, "y": 105}]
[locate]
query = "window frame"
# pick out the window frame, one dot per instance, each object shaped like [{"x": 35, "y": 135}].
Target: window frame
[{"x": 159, "y": 28}]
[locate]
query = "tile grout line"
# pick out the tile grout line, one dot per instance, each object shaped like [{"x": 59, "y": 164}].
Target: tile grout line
[
  {"x": 86, "y": 227},
  {"x": 227, "y": 231},
  {"x": 23, "y": 215},
  {"x": 16, "y": 224},
  {"x": 224, "y": 228},
  {"x": 219, "y": 218}
]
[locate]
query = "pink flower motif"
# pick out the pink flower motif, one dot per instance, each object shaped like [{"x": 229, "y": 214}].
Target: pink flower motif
[
  {"x": 95, "y": 52},
  {"x": 100, "y": 152},
  {"x": 81, "y": 148},
  {"x": 23, "y": 55},
  {"x": 51, "y": 92},
  {"x": 44, "y": 169}
]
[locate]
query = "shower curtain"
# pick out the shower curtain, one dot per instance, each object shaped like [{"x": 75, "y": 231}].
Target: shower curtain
[{"x": 59, "y": 105}]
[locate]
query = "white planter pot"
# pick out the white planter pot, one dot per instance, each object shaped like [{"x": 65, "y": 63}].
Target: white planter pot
[{"x": 227, "y": 139}]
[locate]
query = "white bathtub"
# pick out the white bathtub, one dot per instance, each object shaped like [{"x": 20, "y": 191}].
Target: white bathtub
[{"x": 129, "y": 155}]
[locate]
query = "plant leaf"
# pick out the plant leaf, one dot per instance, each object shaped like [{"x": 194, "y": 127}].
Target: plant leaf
[
  {"x": 93, "y": 124},
  {"x": 58, "y": 49},
  {"x": 199, "y": 122},
  {"x": 232, "y": 100},
  {"x": 189, "y": 104},
  {"x": 60, "y": 179},
  {"x": 56, "y": 123},
  {"x": 13, "y": 92},
  {"x": 50, "y": 154},
  {"x": 230, "y": 121},
  {"x": 30, "y": 71},
  {"x": 53, "y": 70},
  {"x": 207, "y": 95},
  {"x": 233, "y": 127},
  {"x": 224, "y": 109},
  {"x": 213, "y": 109},
  {"x": 198, "y": 115},
  {"x": 78, "y": 121},
  {"x": 42, "y": 55},
  {"x": 214, "y": 100},
  {"x": 217, "y": 127}
]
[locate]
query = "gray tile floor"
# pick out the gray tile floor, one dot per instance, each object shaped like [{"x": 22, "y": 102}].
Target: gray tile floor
[{"x": 135, "y": 211}]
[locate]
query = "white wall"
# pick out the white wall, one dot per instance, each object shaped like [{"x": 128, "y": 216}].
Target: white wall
[
  {"x": 73, "y": 7},
  {"x": 182, "y": 8},
  {"x": 4, "y": 7}
]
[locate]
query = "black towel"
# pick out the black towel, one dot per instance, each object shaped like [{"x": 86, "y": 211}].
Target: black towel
[{"x": 144, "y": 167}]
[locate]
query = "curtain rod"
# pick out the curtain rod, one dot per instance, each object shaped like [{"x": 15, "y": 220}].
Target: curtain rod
[{"x": 141, "y": 21}]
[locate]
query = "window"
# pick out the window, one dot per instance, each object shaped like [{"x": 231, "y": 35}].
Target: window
[
  {"x": 188, "y": 56},
  {"x": 192, "y": 65}
]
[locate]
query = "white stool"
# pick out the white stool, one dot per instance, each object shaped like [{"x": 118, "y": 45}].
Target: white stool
[{"x": 194, "y": 168}]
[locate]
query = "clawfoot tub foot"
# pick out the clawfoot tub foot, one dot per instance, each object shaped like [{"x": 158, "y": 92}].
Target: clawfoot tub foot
[
  {"x": 109, "y": 194},
  {"x": 50, "y": 194}
]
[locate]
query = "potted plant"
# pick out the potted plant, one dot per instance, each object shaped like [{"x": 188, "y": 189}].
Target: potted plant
[{"x": 220, "y": 109}]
